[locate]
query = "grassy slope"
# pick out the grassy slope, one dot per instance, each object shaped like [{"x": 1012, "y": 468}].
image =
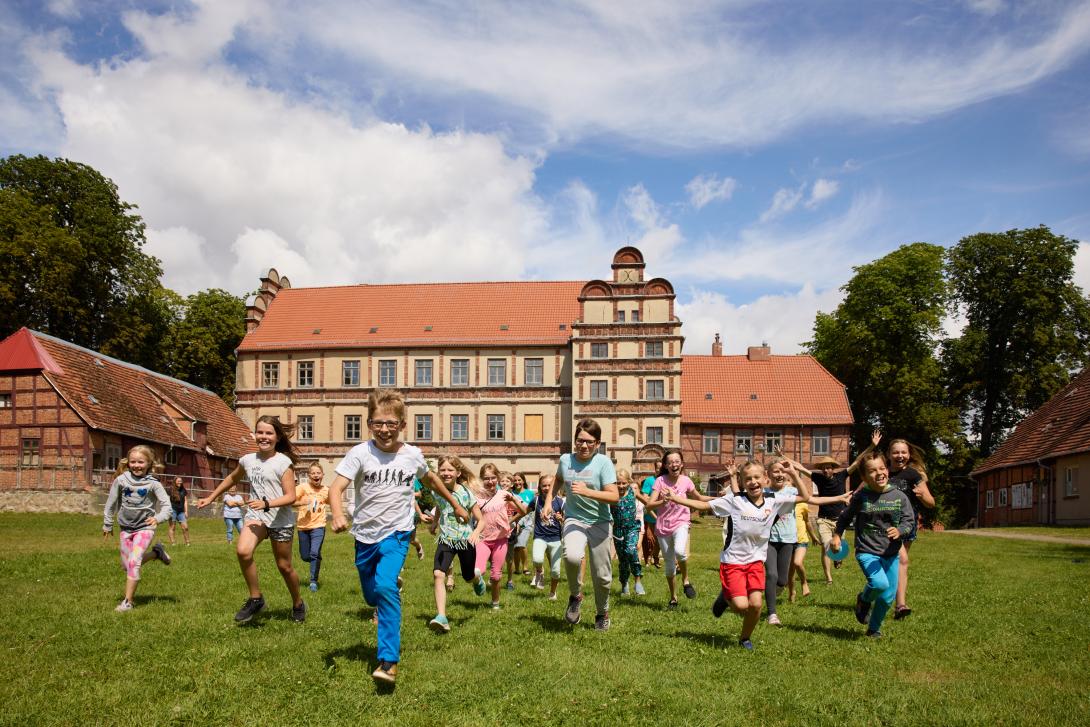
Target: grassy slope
[{"x": 1000, "y": 635}]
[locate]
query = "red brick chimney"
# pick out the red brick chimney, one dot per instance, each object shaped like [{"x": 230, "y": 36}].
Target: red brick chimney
[
  {"x": 717, "y": 346},
  {"x": 760, "y": 353}
]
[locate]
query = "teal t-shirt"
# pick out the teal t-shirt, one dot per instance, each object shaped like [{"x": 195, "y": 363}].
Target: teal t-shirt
[
  {"x": 596, "y": 473},
  {"x": 647, "y": 488},
  {"x": 527, "y": 496}
]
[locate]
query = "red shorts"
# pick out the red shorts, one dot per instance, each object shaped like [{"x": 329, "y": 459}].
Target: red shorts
[{"x": 741, "y": 580}]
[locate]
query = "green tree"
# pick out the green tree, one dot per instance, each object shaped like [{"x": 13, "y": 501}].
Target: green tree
[
  {"x": 73, "y": 260},
  {"x": 881, "y": 343},
  {"x": 200, "y": 347},
  {"x": 1027, "y": 326}
]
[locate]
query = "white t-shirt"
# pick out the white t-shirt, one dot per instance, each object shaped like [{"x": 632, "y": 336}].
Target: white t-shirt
[
  {"x": 265, "y": 477},
  {"x": 748, "y": 527},
  {"x": 381, "y": 493}
]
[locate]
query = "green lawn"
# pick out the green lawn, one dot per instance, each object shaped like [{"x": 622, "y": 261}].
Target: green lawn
[
  {"x": 1052, "y": 531},
  {"x": 1000, "y": 635}
]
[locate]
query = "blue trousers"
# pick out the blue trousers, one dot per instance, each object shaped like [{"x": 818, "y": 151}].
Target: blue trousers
[
  {"x": 310, "y": 550},
  {"x": 236, "y": 523},
  {"x": 881, "y": 586},
  {"x": 379, "y": 565}
]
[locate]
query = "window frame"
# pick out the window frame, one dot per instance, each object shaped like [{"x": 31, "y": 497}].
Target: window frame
[
  {"x": 462, "y": 419},
  {"x": 494, "y": 365},
  {"x": 30, "y": 452},
  {"x": 599, "y": 350},
  {"x": 648, "y": 351},
  {"x": 657, "y": 439},
  {"x": 355, "y": 420},
  {"x": 6, "y": 401},
  {"x": 304, "y": 428},
  {"x": 420, "y": 366},
  {"x": 533, "y": 364},
  {"x": 423, "y": 422},
  {"x": 387, "y": 372},
  {"x": 111, "y": 455},
  {"x": 456, "y": 367},
  {"x": 346, "y": 369},
  {"x": 989, "y": 499},
  {"x": 599, "y": 390},
  {"x": 1003, "y": 501},
  {"x": 773, "y": 439},
  {"x": 743, "y": 441},
  {"x": 270, "y": 374},
  {"x": 1071, "y": 482},
  {"x": 710, "y": 437},
  {"x": 660, "y": 385},
  {"x": 496, "y": 430},
  {"x": 820, "y": 435},
  {"x": 300, "y": 367}
]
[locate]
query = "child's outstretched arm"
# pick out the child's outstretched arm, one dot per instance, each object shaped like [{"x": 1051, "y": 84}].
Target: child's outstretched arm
[
  {"x": 433, "y": 483},
  {"x": 802, "y": 484},
  {"x": 336, "y": 504},
  {"x": 691, "y": 504},
  {"x": 875, "y": 438},
  {"x": 223, "y": 487}
]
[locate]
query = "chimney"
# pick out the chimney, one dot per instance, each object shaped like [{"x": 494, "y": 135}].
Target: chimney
[
  {"x": 759, "y": 353},
  {"x": 717, "y": 346}
]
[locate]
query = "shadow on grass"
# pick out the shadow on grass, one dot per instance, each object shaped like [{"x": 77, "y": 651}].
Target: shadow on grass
[
  {"x": 556, "y": 624},
  {"x": 835, "y": 606},
  {"x": 144, "y": 600},
  {"x": 364, "y": 654},
  {"x": 715, "y": 641},
  {"x": 843, "y": 633}
]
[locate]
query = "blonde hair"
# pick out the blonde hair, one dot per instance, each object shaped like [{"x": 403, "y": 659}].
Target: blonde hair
[
  {"x": 748, "y": 464},
  {"x": 624, "y": 476},
  {"x": 122, "y": 465},
  {"x": 465, "y": 476},
  {"x": 314, "y": 464},
  {"x": 386, "y": 399},
  {"x": 149, "y": 455},
  {"x": 915, "y": 455}
]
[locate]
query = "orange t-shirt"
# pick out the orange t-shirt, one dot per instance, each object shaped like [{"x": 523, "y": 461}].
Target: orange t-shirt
[{"x": 310, "y": 506}]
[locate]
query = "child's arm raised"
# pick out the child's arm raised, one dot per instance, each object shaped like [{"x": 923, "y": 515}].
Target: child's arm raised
[
  {"x": 229, "y": 480},
  {"x": 875, "y": 438},
  {"x": 433, "y": 483}
]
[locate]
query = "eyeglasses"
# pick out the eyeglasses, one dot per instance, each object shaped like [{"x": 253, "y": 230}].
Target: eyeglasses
[
  {"x": 380, "y": 425},
  {"x": 585, "y": 442}
]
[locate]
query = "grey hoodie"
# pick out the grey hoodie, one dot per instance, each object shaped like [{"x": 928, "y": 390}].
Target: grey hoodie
[{"x": 135, "y": 500}]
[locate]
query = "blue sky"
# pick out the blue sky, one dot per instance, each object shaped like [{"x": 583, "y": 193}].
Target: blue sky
[{"x": 755, "y": 151}]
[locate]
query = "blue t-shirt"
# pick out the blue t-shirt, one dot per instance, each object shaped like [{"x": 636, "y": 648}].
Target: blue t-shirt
[
  {"x": 596, "y": 473},
  {"x": 547, "y": 531}
]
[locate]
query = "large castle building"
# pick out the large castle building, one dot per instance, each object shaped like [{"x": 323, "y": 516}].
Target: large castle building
[{"x": 501, "y": 371}]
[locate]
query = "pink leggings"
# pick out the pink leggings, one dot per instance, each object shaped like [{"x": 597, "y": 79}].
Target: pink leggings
[
  {"x": 133, "y": 547},
  {"x": 497, "y": 550}
]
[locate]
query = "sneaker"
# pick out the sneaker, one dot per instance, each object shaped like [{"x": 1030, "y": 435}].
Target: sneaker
[
  {"x": 299, "y": 613},
  {"x": 774, "y": 620},
  {"x": 874, "y": 634},
  {"x": 439, "y": 625},
  {"x": 314, "y": 586},
  {"x": 552, "y": 596},
  {"x": 719, "y": 607},
  {"x": 540, "y": 585},
  {"x": 836, "y": 565},
  {"x": 690, "y": 592},
  {"x": 640, "y": 591},
  {"x": 902, "y": 612},
  {"x": 125, "y": 605},
  {"x": 509, "y": 586},
  {"x": 161, "y": 553},
  {"x": 251, "y": 608},
  {"x": 746, "y": 644},
  {"x": 672, "y": 605},
  {"x": 601, "y": 622},
  {"x": 571, "y": 615},
  {"x": 862, "y": 609},
  {"x": 400, "y": 583},
  {"x": 386, "y": 671},
  {"x": 495, "y": 605},
  {"x": 479, "y": 587},
  {"x": 419, "y": 551},
  {"x": 624, "y": 590}
]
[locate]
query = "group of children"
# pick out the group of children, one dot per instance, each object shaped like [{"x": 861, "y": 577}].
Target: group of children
[{"x": 579, "y": 517}]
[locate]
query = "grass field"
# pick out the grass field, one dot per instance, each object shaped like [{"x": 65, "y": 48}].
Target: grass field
[
  {"x": 1000, "y": 635},
  {"x": 1082, "y": 531}
]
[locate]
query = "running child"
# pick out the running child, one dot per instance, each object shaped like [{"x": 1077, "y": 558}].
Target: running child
[
  {"x": 456, "y": 539},
  {"x": 882, "y": 516},
  {"x": 750, "y": 516},
  {"x": 381, "y": 472},
  {"x": 590, "y": 484},
  {"x": 139, "y": 503},
  {"x": 269, "y": 513},
  {"x": 908, "y": 473},
  {"x": 547, "y": 535},
  {"x": 806, "y": 533},
  {"x": 311, "y": 503},
  {"x": 673, "y": 520},
  {"x": 179, "y": 509},
  {"x": 626, "y": 533},
  {"x": 500, "y": 508}
]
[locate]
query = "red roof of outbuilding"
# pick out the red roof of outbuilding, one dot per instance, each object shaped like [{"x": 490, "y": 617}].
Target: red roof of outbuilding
[
  {"x": 418, "y": 315},
  {"x": 21, "y": 352},
  {"x": 1061, "y": 426},
  {"x": 123, "y": 398},
  {"x": 778, "y": 390}
]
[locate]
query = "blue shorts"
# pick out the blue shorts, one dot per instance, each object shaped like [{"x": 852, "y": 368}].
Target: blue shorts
[{"x": 178, "y": 516}]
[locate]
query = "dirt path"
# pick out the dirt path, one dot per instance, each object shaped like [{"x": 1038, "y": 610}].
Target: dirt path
[{"x": 1022, "y": 536}]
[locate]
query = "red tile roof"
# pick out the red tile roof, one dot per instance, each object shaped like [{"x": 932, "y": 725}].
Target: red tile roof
[
  {"x": 779, "y": 390},
  {"x": 21, "y": 352},
  {"x": 469, "y": 314},
  {"x": 120, "y": 397},
  {"x": 1061, "y": 426}
]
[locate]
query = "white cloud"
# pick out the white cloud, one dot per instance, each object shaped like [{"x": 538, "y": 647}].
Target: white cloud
[
  {"x": 67, "y": 9},
  {"x": 657, "y": 237},
  {"x": 783, "y": 202},
  {"x": 986, "y": 7},
  {"x": 1082, "y": 267},
  {"x": 704, "y": 189},
  {"x": 822, "y": 190}
]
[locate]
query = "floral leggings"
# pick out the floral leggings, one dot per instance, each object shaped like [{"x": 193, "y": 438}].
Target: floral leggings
[
  {"x": 627, "y": 545},
  {"x": 133, "y": 547}
]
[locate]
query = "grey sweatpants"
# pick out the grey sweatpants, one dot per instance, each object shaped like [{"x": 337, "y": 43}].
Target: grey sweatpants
[{"x": 577, "y": 536}]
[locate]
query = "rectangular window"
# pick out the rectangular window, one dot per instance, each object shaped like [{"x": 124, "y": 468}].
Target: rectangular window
[
  {"x": 1028, "y": 495},
  {"x": 423, "y": 373},
  {"x": 599, "y": 389},
  {"x": 711, "y": 441},
  {"x": 1002, "y": 497},
  {"x": 171, "y": 456},
  {"x": 5, "y": 401},
  {"x": 387, "y": 373},
  {"x": 353, "y": 424},
  {"x": 599, "y": 350},
  {"x": 350, "y": 373},
  {"x": 743, "y": 441},
  {"x": 305, "y": 374},
  {"x": 620, "y": 316},
  {"x": 652, "y": 349},
  {"x": 819, "y": 441},
  {"x": 270, "y": 374},
  {"x": 656, "y": 389},
  {"x": 496, "y": 426},
  {"x": 497, "y": 372},
  {"x": 459, "y": 372},
  {"x": 113, "y": 455},
  {"x": 773, "y": 441},
  {"x": 1071, "y": 482},
  {"x": 990, "y": 499},
  {"x": 534, "y": 372},
  {"x": 305, "y": 428},
  {"x": 423, "y": 427},
  {"x": 533, "y": 427},
  {"x": 654, "y": 435},
  {"x": 459, "y": 426},
  {"x": 635, "y": 316}
]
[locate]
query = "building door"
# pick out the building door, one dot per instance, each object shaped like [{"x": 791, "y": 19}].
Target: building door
[{"x": 532, "y": 426}]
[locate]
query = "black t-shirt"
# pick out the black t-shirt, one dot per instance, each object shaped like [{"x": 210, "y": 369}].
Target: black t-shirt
[
  {"x": 830, "y": 487},
  {"x": 904, "y": 481},
  {"x": 177, "y": 498}
]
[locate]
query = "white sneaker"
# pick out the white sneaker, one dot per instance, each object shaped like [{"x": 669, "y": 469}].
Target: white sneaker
[
  {"x": 125, "y": 605},
  {"x": 774, "y": 620}
]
